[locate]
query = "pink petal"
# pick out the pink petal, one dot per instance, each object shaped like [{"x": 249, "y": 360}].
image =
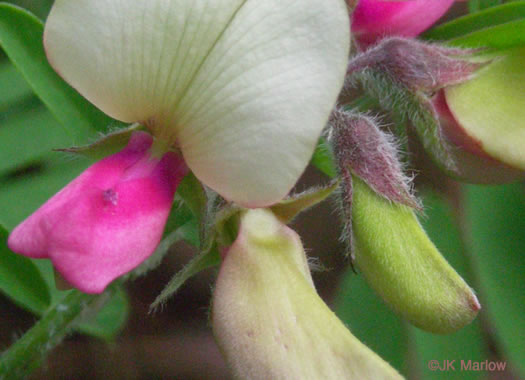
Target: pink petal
[
  {"x": 108, "y": 220},
  {"x": 374, "y": 19}
]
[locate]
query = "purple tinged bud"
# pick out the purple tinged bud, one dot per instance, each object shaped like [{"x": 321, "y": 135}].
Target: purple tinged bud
[
  {"x": 417, "y": 65},
  {"x": 362, "y": 149}
]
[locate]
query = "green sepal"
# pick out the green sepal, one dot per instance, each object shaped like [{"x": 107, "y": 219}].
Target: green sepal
[
  {"x": 289, "y": 208},
  {"x": 105, "y": 145}
]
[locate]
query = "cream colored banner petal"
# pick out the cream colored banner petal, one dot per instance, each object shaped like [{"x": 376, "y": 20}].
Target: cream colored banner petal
[
  {"x": 245, "y": 85},
  {"x": 257, "y": 106},
  {"x": 134, "y": 59}
]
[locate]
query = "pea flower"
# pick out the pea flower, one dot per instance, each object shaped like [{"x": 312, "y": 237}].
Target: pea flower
[
  {"x": 240, "y": 89},
  {"x": 484, "y": 118},
  {"x": 106, "y": 221},
  {"x": 268, "y": 318},
  {"x": 374, "y": 19}
]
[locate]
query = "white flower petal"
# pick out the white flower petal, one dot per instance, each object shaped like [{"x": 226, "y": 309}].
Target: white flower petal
[{"x": 244, "y": 85}]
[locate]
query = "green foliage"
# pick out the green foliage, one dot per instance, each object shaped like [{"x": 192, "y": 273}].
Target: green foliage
[
  {"x": 499, "y": 27},
  {"x": 371, "y": 321},
  {"x": 21, "y": 38},
  {"x": 107, "y": 322},
  {"x": 323, "y": 159},
  {"x": 468, "y": 343},
  {"x": 495, "y": 218},
  {"x": 20, "y": 279},
  {"x": 477, "y": 5}
]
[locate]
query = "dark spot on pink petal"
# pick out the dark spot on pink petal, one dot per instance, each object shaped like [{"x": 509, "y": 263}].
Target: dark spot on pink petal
[{"x": 110, "y": 196}]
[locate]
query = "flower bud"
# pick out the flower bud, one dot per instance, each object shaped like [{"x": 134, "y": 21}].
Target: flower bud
[
  {"x": 473, "y": 164},
  {"x": 270, "y": 322},
  {"x": 106, "y": 221},
  {"x": 415, "y": 65},
  {"x": 485, "y": 116},
  {"x": 374, "y": 19},
  {"x": 363, "y": 149},
  {"x": 402, "y": 265}
]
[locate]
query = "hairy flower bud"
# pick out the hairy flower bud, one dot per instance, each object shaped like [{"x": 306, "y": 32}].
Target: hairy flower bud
[
  {"x": 416, "y": 65},
  {"x": 364, "y": 150},
  {"x": 402, "y": 265},
  {"x": 270, "y": 322}
]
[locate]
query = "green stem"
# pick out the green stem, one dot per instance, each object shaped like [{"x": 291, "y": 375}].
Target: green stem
[{"x": 27, "y": 353}]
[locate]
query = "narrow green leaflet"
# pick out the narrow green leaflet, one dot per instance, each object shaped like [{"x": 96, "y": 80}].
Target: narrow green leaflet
[
  {"x": 477, "y": 5},
  {"x": 371, "y": 321},
  {"x": 323, "y": 159},
  {"x": 22, "y": 195},
  {"x": 483, "y": 20},
  {"x": 496, "y": 222},
  {"x": 40, "y": 8},
  {"x": 20, "y": 279},
  {"x": 17, "y": 87},
  {"x": 26, "y": 136},
  {"x": 504, "y": 36},
  {"x": 468, "y": 343},
  {"x": 192, "y": 192},
  {"x": 21, "y": 38}
]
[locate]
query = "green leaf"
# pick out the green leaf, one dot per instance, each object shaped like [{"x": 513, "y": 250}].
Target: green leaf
[
  {"x": 496, "y": 222},
  {"x": 478, "y": 21},
  {"x": 192, "y": 192},
  {"x": 371, "y": 321},
  {"x": 14, "y": 85},
  {"x": 504, "y": 36},
  {"x": 20, "y": 280},
  {"x": 21, "y": 195},
  {"x": 21, "y": 38},
  {"x": 26, "y": 136},
  {"x": 184, "y": 222},
  {"x": 477, "y": 5},
  {"x": 110, "y": 319},
  {"x": 468, "y": 343},
  {"x": 323, "y": 159}
]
